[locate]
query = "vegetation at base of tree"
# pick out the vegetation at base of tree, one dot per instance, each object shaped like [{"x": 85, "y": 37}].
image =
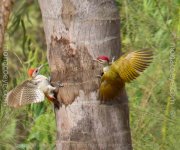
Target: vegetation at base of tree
[{"x": 153, "y": 97}]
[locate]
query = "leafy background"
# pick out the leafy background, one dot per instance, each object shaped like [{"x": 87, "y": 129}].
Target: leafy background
[{"x": 154, "y": 120}]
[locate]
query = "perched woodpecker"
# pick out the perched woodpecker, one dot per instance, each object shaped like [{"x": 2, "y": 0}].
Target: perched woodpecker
[
  {"x": 125, "y": 69},
  {"x": 32, "y": 90}
]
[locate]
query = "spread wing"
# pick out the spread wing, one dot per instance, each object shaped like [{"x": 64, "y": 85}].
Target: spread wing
[
  {"x": 129, "y": 66},
  {"x": 25, "y": 93}
]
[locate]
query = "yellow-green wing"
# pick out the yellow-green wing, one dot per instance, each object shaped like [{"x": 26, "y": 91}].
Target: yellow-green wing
[{"x": 130, "y": 65}]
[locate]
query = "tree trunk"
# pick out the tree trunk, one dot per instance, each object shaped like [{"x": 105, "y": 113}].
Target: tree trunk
[
  {"x": 77, "y": 31},
  {"x": 5, "y": 9}
]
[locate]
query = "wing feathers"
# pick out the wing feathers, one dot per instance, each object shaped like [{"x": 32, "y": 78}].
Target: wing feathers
[
  {"x": 130, "y": 65},
  {"x": 25, "y": 93},
  {"x": 125, "y": 69}
]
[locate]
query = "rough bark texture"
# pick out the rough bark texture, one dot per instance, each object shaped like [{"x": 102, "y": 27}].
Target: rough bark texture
[
  {"x": 5, "y": 8},
  {"x": 77, "y": 31}
]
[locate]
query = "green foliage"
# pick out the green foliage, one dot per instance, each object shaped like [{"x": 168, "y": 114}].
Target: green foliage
[
  {"x": 42, "y": 133},
  {"x": 7, "y": 130},
  {"x": 33, "y": 126},
  {"x": 153, "y": 115}
]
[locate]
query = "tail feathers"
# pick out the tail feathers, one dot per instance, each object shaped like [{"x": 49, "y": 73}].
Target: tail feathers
[
  {"x": 54, "y": 101},
  {"x": 56, "y": 104}
]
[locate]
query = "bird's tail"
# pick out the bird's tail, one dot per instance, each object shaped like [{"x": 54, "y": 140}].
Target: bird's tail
[{"x": 54, "y": 101}]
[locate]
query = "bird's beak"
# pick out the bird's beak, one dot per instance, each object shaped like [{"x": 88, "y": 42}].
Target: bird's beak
[
  {"x": 98, "y": 76},
  {"x": 39, "y": 68},
  {"x": 98, "y": 61}
]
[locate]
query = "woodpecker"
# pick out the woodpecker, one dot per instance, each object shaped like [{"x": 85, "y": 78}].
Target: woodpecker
[
  {"x": 32, "y": 90},
  {"x": 125, "y": 69}
]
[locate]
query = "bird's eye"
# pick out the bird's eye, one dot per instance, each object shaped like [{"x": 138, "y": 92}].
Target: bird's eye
[{"x": 102, "y": 73}]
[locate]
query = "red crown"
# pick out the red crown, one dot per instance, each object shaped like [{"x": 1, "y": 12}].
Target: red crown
[
  {"x": 103, "y": 58},
  {"x": 30, "y": 71}
]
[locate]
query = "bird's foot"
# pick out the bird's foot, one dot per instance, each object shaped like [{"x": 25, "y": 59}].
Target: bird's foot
[
  {"x": 98, "y": 76},
  {"x": 57, "y": 84},
  {"x": 60, "y": 84}
]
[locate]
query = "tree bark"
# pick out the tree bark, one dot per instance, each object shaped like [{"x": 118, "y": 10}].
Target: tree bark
[
  {"x": 77, "y": 31},
  {"x": 5, "y": 9}
]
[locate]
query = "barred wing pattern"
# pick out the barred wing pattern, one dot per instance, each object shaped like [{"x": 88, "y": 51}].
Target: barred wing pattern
[
  {"x": 130, "y": 65},
  {"x": 25, "y": 93}
]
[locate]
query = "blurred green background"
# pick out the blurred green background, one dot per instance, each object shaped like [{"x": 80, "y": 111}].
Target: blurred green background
[{"x": 154, "y": 113}]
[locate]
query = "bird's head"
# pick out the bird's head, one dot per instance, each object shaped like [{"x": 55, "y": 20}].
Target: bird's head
[
  {"x": 33, "y": 72},
  {"x": 103, "y": 60}
]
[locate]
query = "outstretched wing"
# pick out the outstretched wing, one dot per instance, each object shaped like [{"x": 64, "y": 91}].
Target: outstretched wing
[
  {"x": 25, "y": 93},
  {"x": 129, "y": 66}
]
